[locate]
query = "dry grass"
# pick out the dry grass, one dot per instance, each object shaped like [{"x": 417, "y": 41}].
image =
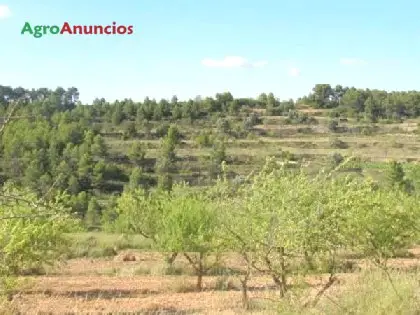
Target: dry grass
[{"x": 148, "y": 284}]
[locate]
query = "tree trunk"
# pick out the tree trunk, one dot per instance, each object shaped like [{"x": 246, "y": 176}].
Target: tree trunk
[
  {"x": 244, "y": 283},
  {"x": 283, "y": 287},
  {"x": 199, "y": 281},
  {"x": 200, "y": 272},
  {"x": 172, "y": 258},
  {"x": 198, "y": 267},
  {"x": 244, "y": 290}
]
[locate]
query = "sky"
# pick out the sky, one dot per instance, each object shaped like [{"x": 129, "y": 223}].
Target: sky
[{"x": 203, "y": 47}]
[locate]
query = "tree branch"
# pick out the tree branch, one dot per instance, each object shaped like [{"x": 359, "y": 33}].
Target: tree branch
[{"x": 9, "y": 116}]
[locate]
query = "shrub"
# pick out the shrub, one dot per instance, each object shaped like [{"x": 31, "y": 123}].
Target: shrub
[
  {"x": 335, "y": 159},
  {"x": 338, "y": 144}
]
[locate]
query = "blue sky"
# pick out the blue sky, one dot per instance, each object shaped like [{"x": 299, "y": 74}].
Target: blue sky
[{"x": 201, "y": 47}]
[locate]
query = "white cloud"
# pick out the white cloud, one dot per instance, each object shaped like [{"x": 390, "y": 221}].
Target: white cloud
[
  {"x": 232, "y": 62},
  {"x": 294, "y": 72},
  {"x": 352, "y": 61},
  {"x": 4, "y": 11}
]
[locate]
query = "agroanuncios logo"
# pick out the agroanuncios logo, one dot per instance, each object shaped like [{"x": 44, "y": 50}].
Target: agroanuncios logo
[{"x": 38, "y": 31}]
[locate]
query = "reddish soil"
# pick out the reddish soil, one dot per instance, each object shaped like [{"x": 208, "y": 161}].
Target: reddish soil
[{"x": 111, "y": 285}]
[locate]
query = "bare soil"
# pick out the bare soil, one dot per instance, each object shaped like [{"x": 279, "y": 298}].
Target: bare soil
[{"x": 115, "y": 286}]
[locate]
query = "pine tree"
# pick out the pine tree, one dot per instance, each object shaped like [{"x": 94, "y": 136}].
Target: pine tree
[
  {"x": 98, "y": 174},
  {"x": 136, "y": 178},
  {"x": 93, "y": 213},
  {"x": 99, "y": 149},
  {"x": 137, "y": 153},
  {"x": 73, "y": 185},
  {"x": 218, "y": 155},
  {"x": 396, "y": 177},
  {"x": 166, "y": 164}
]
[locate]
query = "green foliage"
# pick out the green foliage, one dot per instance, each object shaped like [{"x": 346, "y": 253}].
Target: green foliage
[
  {"x": 146, "y": 207},
  {"x": 31, "y": 232},
  {"x": 137, "y": 153},
  {"x": 174, "y": 135},
  {"x": 182, "y": 221},
  {"x": 189, "y": 224},
  {"x": 223, "y": 126},
  {"x": 217, "y": 156},
  {"x": 93, "y": 214},
  {"x": 166, "y": 164},
  {"x": 129, "y": 130},
  {"x": 99, "y": 148},
  {"x": 204, "y": 139},
  {"x": 396, "y": 177},
  {"x": 296, "y": 117},
  {"x": 287, "y": 215},
  {"x": 99, "y": 244},
  {"x": 136, "y": 179}
]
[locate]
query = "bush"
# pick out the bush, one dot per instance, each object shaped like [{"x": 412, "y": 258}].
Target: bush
[
  {"x": 204, "y": 139},
  {"x": 335, "y": 159},
  {"x": 333, "y": 125},
  {"x": 162, "y": 130},
  {"x": 338, "y": 144},
  {"x": 31, "y": 234}
]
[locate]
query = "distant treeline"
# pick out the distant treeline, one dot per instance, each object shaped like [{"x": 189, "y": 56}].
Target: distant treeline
[{"x": 344, "y": 102}]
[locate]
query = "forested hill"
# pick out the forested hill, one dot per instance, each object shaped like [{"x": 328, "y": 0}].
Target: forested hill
[{"x": 53, "y": 143}]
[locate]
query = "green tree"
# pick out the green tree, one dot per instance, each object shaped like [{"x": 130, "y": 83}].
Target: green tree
[
  {"x": 73, "y": 184},
  {"x": 139, "y": 204},
  {"x": 323, "y": 95},
  {"x": 99, "y": 148},
  {"x": 98, "y": 175},
  {"x": 129, "y": 130},
  {"x": 136, "y": 178},
  {"x": 80, "y": 203},
  {"x": 167, "y": 162},
  {"x": 173, "y": 135},
  {"x": 137, "y": 153},
  {"x": 223, "y": 126},
  {"x": 396, "y": 177},
  {"x": 32, "y": 233},
  {"x": 117, "y": 116},
  {"x": 285, "y": 214},
  {"x": 189, "y": 225},
  {"x": 93, "y": 214},
  {"x": 217, "y": 156},
  {"x": 372, "y": 109},
  {"x": 84, "y": 171}
]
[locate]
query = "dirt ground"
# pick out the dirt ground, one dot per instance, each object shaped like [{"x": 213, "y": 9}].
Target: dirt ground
[{"x": 115, "y": 286}]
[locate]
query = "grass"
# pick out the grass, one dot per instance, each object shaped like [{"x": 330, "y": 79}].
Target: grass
[
  {"x": 373, "y": 294},
  {"x": 98, "y": 244},
  {"x": 367, "y": 294}
]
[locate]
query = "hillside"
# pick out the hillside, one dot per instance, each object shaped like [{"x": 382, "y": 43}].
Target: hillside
[{"x": 92, "y": 151}]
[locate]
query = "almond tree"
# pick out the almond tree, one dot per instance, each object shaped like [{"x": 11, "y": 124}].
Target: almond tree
[
  {"x": 190, "y": 226},
  {"x": 292, "y": 223},
  {"x": 32, "y": 232}
]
